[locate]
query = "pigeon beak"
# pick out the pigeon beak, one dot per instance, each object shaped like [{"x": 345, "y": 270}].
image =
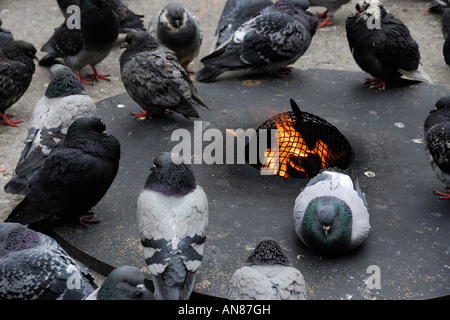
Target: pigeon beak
[
  {"x": 105, "y": 133},
  {"x": 36, "y": 58},
  {"x": 326, "y": 228},
  {"x": 124, "y": 45}
]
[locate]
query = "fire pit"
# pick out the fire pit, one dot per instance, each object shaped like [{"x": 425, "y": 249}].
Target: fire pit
[{"x": 407, "y": 249}]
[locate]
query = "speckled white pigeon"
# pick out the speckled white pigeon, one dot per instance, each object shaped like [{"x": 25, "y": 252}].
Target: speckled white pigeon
[
  {"x": 267, "y": 275},
  {"x": 331, "y": 213},
  {"x": 172, "y": 214}
]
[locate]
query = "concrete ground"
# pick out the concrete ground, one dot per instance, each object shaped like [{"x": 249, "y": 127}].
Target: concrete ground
[{"x": 329, "y": 50}]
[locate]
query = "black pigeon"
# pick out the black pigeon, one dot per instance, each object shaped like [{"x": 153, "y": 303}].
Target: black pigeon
[
  {"x": 234, "y": 14},
  {"x": 73, "y": 178},
  {"x": 272, "y": 40},
  {"x": 123, "y": 283},
  {"x": 382, "y": 45},
  {"x": 446, "y": 33},
  {"x": 267, "y": 275},
  {"x": 34, "y": 267},
  {"x": 64, "y": 101},
  {"x": 154, "y": 79},
  {"x": 178, "y": 29},
  {"x": 437, "y": 142},
  {"x": 87, "y": 45},
  {"x": 16, "y": 71},
  {"x": 172, "y": 215},
  {"x": 5, "y": 36},
  {"x": 438, "y": 5},
  {"x": 331, "y": 5},
  {"x": 129, "y": 21}
]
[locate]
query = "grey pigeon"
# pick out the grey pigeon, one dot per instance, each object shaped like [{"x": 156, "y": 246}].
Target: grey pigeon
[
  {"x": 87, "y": 45},
  {"x": 437, "y": 142},
  {"x": 155, "y": 80},
  {"x": 64, "y": 101},
  {"x": 446, "y": 33},
  {"x": 438, "y": 5},
  {"x": 331, "y": 5},
  {"x": 34, "y": 267},
  {"x": 382, "y": 45},
  {"x": 178, "y": 29},
  {"x": 123, "y": 283},
  {"x": 234, "y": 14},
  {"x": 267, "y": 275},
  {"x": 331, "y": 214},
  {"x": 129, "y": 21},
  {"x": 73, "y": 178},
  {"x": 172, "y": 216},
  {"x": 272, "y": 40},
  {"x": 16, "y": 71},
  {"x": 5, "y": 36}
]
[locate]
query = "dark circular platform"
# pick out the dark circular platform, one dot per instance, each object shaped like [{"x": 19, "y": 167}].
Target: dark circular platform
[{"x": 409, "y": 239}]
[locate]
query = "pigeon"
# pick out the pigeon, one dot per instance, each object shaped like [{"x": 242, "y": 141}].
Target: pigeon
[
  {"x": 331, "y": 7},
  {"x": 172, "y": 215},
  {"x": 16, "y": 71},
  {"x": 155, "y": 80},
  {"x": 5, "y": 36},
  {"x": 129, "y": 21},
  {"x": 123, "y": 283},
  {"x": 438, "y": 5},
  {"x": 234, "y": 14},
  {"x": 33, "y": 266},
  {"x": 178, "y": 29},
  {"x": 382, "y": 45},
  {"x": 267, "y": 275},
  {"x": 73, "y": 178},
  {"x": 272, "y": 40},
  {"x": 437, "y": 142},
  {"x": 331, "y": 215},
  {"x": 64, "y": 101},
  {"x": 446, "y": 33},
  {"x": 87, "y": 45}
]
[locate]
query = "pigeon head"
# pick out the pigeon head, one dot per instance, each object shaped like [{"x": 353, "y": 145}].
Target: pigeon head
[
  {"x": 87, "y": 124},
  {"x": 170, "y": 175},
  {"x": 370, "y": 8},
  {"x": 292, "y": 6},
  {"x": 267, "y": 251},
  {"x": 443, "y": 103},
  {"x": 327, "y": 224},
  {"x": 123, "y": 283},
  {"x": 18, "y": 49},
  {"x": 63, "y": 82},
  {"x": 139, "y": 40},
  {"x": 174, "y": 15},
  {"x": 16, "y": 237}
]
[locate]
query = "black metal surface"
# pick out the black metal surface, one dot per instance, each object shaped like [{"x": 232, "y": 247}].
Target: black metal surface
[{"x": 409, "y": 239}]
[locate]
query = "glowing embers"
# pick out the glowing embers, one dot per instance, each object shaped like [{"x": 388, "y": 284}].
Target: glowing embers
[{"x": 307, "y": 144}]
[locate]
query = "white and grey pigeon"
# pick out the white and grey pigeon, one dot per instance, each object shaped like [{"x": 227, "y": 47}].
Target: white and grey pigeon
[
  {"x": 267, "y": 43},
  {"x": 155, "y": 80},
  {"x": 65, "y": 100},
  {"x": 234, "y": 14},
  {"x": 123, "y": 283},
  {"x": 331, "y": 215},
  {"x": 267, "y": 275},
  {"x": 382, "y": 45},
  {"x": 177, "y": 28},
  {"x": 16, "y": 71},
  {"x": 89, "y": 43},
  {"x": 6, "y": 36},
  {"x": 331, "y": 7},
  {"x": 33, "y": 266},
  {"x": 437, "y": 142},
  {"x": 172, "y": 215},
  {"x": 446, "y": 33}
]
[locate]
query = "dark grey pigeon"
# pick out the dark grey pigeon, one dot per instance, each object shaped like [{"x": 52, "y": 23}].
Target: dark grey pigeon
[
  {"x": 446, "y": 33},
  {"x": 172, "y": 216},
  {"x": 382, "y": 45},
  {"x": 87, "y": 45},
  {"x": 129, "y": 21},
  {"x": 267, "y": 275},
  {"x": 64, "y": 101},
  {"x": 155, "y": 80},
  {"x": 331, "y": 7},
  {"x": 16, "y": 71},
  {"x": 5, "y": 36},
  {"x": 438, "y": 5},
  {"x": 123, "y": 283},
  {"x": 234, "y": 14},
  {"x": 331, "y": 214},
  {"x": 73, "y": 178},
  {"x": 437, "y": 142},
  {"x": 269, "y": 42},
  {"x": 178, "y": 29},
  {"x": 34, "y": 267}
]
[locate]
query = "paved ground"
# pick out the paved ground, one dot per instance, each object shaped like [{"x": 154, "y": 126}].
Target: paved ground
[{"x": 329, "y": 50}]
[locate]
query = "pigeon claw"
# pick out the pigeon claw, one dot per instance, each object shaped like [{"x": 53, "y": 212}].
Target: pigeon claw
[
  {"x": 5, "y": 119},
  {"x": 88, "y": 219},
  {"x": 142, "y": 114},
  {"x": 326, "y": 22},
  {"x": 443, "y": 195},
  {"x": 283, "y": 72},
  {"x": 375, "y": 83},
  {"x": 321, "y": 15},
  {"x": 84, "y": 80}
]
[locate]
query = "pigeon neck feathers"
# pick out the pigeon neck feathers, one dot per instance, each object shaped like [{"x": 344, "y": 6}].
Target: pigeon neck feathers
[
  {"x": 19, "y": 237},
  {"x": 64, "y": 84},
  {"x": 267, "y": 252}
]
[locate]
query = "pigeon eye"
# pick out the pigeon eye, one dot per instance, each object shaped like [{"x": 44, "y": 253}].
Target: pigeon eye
[
  {"x": 126, "y": 282},
  {"x": 133, "y": 41}
]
